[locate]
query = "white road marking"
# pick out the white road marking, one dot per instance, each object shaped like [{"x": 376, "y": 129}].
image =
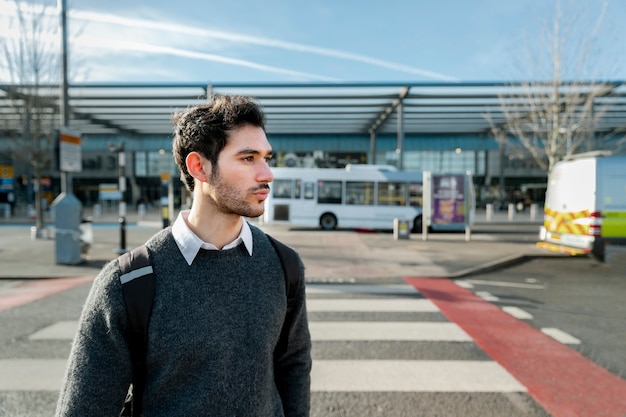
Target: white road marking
[
  {"x": 517, "y": 312},
  {"x": 61, "y": 330},
  {"x": 561, "y": 336},
  {"x": 487, "y": 296},
  {"x": 360, "y": 289},
  {"x": 506, "y": 284},
  {"x": 412, "y": 376},
  {"x": 394, "y": 305},
  {"x": 31, "y": 374},
  {"x": 397, "y": 331},
  {"x": 464, "y": 284}
]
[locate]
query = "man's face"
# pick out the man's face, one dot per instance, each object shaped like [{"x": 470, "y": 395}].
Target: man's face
[{"x": 240, "y": 184}]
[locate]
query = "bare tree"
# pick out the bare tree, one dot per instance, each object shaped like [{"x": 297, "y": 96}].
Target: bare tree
[
  {"x": 30, "y": 58},
  {"x": 560, "y": 113}
]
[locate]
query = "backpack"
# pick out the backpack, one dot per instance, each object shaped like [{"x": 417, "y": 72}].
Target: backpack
[{"x": 137, "y": 279}]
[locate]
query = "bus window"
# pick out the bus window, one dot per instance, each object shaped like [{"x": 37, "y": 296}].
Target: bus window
[
  {"x": 416, "y": 194},
  {"x": 308, "y": 190},
  {"x": 296, "y": 191},
  {"x": 282, "y": 188},
  {"x": 329, "y": 192},
  {"x": 360, "y": 193},
  {"x": 391, "y": 194}
]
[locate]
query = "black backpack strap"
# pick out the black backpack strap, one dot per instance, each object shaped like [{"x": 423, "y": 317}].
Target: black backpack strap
[
  {"x": 291, "y": 267},
  {"x": 137, "y": 279}
]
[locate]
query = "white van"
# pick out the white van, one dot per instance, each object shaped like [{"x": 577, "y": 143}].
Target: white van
[{"x": 585, "y": 207}]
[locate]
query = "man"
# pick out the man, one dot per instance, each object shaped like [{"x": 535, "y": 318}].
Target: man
[{"x": 220, "y": 299}]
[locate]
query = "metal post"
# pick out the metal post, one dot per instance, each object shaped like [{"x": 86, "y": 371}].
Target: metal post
[
  {"x": 122, "y": 209},
  {"x": 67, "y": 208},
  {"x": 165, "y": 198},
  {"x": 372, "y": 155},
  {"x": 400, "y": 137},
  {"x": 427, "y": 199},
  {"x": 64, "y": 107},
  {"x": 121, "y": 165}
]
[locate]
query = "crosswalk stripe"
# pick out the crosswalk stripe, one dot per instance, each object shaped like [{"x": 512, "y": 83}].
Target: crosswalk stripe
[
  {"x": 31, "y": 374},
  {"x": 561, "y": 336},
  {"x": 61, "y": 330},
  {"x": 360, "y": 289},
  {"x": 378, "y": 305},
  {"x": 420, "y": 376},
  {"x": 517, "y": 312},
  {"x": 411, "y": 331}
]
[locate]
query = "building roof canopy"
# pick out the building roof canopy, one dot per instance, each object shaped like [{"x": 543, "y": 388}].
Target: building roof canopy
[{"x": 304, "y": 109}]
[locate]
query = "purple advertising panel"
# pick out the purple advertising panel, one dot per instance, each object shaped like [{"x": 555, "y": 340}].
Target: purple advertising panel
[{"x": 448, "y": 199}]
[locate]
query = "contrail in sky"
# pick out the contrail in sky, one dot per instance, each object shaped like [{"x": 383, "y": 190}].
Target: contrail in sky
[
  {"x": 161, "y": 27},
  {"x": 245, "y": 39},
  {"x": 149, "y": 48}
]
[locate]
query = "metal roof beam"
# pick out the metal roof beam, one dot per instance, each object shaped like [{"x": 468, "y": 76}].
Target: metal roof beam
[{"x": 382, "y": 117}]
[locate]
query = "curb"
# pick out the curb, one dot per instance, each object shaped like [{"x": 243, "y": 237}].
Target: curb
[{"x": 501, "y": 263}]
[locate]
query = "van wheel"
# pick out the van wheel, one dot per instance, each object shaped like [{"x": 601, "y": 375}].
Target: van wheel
[
  {"x": 328, "y": 221},
  {"x": 417, "y": 225}
]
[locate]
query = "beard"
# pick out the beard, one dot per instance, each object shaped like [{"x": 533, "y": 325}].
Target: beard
[{"x": 230, "y": 199}]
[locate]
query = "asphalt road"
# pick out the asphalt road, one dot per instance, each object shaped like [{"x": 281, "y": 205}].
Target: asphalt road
[
  {"x": 383, "y": 348},
  {"x": 580, "y": 296}
]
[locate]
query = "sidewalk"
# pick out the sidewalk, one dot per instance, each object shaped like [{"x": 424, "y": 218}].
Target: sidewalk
[{"x": 338, "y": 256}]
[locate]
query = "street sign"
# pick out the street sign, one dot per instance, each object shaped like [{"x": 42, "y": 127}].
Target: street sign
[{"x": 70, "y": 158}]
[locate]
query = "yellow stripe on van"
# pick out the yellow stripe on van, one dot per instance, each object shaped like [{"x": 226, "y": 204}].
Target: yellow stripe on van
[
  {"x": 562, "y": 249},
  {"x": 614, "y": 224}
]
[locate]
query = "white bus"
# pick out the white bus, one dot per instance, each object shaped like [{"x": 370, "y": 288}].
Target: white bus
[{"x": 359, "y": 196}]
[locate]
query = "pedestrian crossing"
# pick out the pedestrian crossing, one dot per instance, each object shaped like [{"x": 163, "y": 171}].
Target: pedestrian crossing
[
  {"x": 382, "y": 343},
  {"x": 383, "y": 370},
  {"x": 331, "y": 309}
]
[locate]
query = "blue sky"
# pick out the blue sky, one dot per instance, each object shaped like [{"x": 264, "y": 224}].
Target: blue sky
[{"x": 331, "y": 40}]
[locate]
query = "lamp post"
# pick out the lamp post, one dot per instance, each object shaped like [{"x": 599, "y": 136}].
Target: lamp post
[{"x": 121, "y": 164}]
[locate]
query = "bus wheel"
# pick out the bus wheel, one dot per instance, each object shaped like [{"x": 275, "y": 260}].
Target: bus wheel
[
  {"x": 328, "y": 221},
  {"x": 417, "y": 225}
]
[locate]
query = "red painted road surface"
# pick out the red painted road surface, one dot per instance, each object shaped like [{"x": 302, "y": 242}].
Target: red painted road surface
[
  {"x": 36, "y": 290},
  {"x": 563, "y": 381}
]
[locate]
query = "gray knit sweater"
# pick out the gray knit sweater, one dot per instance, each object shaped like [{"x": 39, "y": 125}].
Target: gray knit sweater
[{"x": 212, "y": 334}]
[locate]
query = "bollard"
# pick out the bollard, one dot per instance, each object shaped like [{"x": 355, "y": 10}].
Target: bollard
[
  {"x": 7, "y": 211},
  {"x": 122, "y": 249},
  {"x": 400, "y": 229},
  {"x": 141, "y": 209},
  {"x": 489, "y": 212},
  {"x": 533, "y": 211},
  {"x": 165, "y": 216},
  {"x": 511, "y": 211},
  {"x": 97, "y": 211}
]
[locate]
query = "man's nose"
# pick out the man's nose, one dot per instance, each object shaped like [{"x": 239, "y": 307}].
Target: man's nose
[{"x": 265, "y": 174}]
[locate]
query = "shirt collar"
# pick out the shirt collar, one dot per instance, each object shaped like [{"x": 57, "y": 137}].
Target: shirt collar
[{"x": 190, "y": 244}]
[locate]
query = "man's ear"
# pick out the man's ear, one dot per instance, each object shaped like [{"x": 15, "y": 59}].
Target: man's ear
[{"x": 196, "y": 166}]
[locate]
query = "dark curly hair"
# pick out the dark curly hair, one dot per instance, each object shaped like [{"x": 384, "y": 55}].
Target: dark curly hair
[{"x": 205, "y": 128}]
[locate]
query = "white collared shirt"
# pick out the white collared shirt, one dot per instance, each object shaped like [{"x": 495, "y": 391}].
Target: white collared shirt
[{"x": 190, "y": 244}]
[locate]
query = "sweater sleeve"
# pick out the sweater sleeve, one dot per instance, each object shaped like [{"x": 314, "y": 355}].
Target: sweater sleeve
[
  {"x": 99, "y": 368},
  {"x": 293, "y": 368}
]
